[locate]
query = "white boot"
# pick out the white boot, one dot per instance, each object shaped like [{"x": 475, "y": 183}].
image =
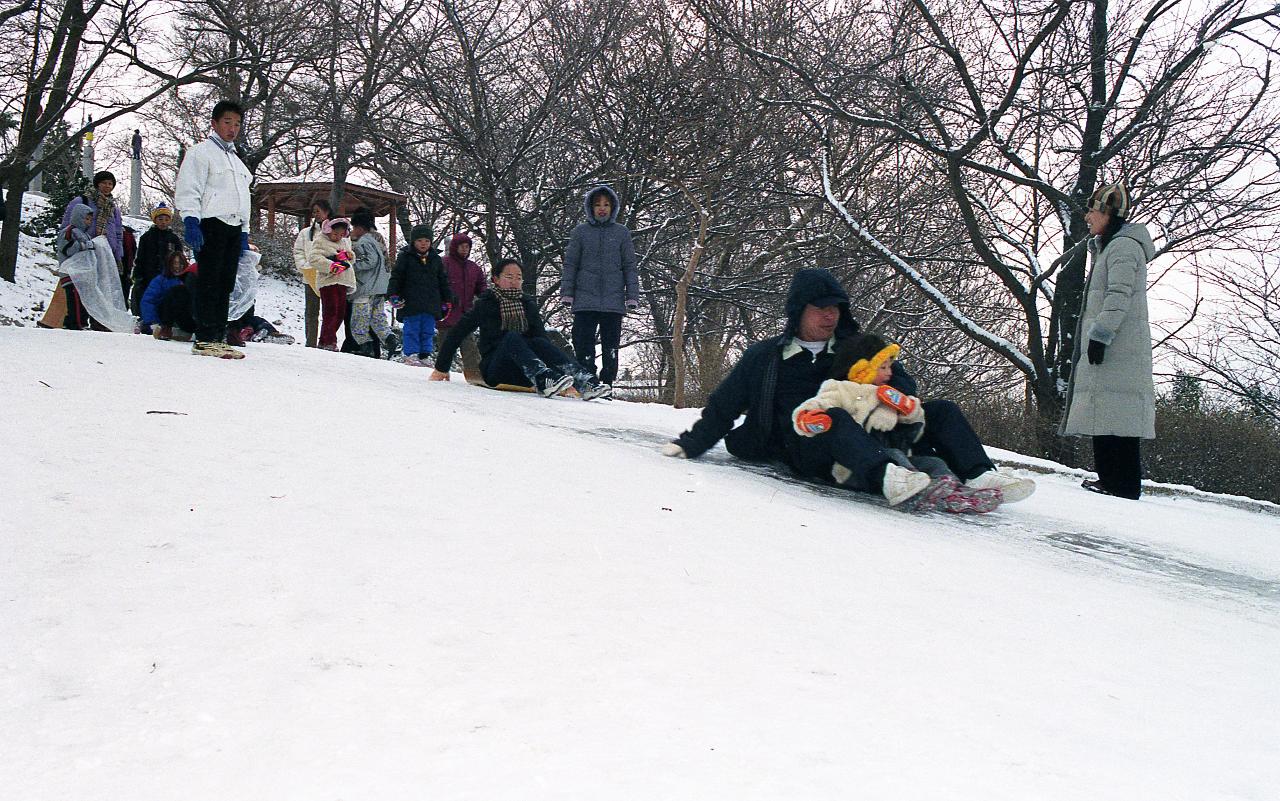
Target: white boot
[
  {"x": 900, "y": 484},
  {"x": 1013, "y": 488}
]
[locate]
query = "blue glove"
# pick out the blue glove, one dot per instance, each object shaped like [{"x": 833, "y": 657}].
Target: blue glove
[
  {"x": 244, "y": 241},
  {"x": 193, "y": 235}
]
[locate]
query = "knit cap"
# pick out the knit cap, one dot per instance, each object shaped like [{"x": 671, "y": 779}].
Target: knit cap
[
  {"x": 161, "y": 208},
  {"x": 420, "y": 232},
  {"x": 1111, "y": 199}
]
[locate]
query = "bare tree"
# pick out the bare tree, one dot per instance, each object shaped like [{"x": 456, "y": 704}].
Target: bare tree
[
  {"x": 1020, "y": 111},
  {"x": 86, "y": 55}
]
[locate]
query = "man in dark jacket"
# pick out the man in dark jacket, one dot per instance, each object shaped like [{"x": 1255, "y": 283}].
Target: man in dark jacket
[{"x": 778, "y": 374}]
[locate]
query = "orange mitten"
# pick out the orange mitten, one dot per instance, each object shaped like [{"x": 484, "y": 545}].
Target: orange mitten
[
  {"x": 901, "y": 401},
  {"x": 813, "y": 421}
]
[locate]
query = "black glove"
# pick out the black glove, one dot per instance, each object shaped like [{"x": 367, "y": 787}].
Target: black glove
[{"x": 1097, "y": 351}]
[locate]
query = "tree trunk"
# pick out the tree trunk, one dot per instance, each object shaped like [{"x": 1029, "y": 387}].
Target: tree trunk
[
  {"x": 681, "y": 369},
  {"x": 13, "y": 217}
]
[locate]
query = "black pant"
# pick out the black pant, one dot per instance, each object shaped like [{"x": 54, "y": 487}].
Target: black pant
[
  {"x": 1118, "y": 461},
  {"x": 948, "y": 436},
  {"x": 518, "y": 358},
  {"x": 218, "y": 261},
  {"x": 609, "y": 325},
  {"x": 175, "y": 309}
]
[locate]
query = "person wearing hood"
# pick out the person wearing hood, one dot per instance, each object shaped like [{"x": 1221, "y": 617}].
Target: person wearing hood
[
  {"x": 467, "y": 281},
  {"x": 76, "y": 235},
  {"x": 776, "y": 375},
  {"x": 1111, "y": 393},
  {"x": 106, "y": 214},
  {"x": 600, "y": 281}
]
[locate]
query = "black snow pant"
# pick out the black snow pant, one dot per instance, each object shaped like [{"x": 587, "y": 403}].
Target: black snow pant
[
  {"x": 948, "y": 436},
  {"x": 518, "y": 358},
  {"x": 175, "y": 309},
  {"x": 1118, "y": 461},
  {"x": 218, "y": 261},
  {"x": 586, "y": 324}
]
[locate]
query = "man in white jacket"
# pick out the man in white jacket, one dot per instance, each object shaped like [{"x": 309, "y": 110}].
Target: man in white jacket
[{"x": 212, "y": 195}]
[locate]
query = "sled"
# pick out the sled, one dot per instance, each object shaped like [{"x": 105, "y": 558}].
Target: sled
[
  {"x": 568, "y": 392},
  {"x": 56, "y": 312}
]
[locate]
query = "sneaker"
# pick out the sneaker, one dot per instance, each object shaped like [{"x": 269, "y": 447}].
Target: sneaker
[
  {"x": 595, "y": 389},
  {"x": 390, "y": 346},
  {"x": 216, "y": 349},
  {"x": 411, "y": 360},
  {"x": 901, "y": 484},
  {"x": 234, "y": 339},
  {"x": 179, "y": 335},
  {"x": 332, "y": 346},
  {"x": 550, "y": 385},
  {"x": 1012, "y": 488},
  {"x": 162, "y": 332},
  {"x": 275, "y": 339}
]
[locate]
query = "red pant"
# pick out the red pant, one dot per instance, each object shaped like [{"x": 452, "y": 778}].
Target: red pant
[{"x": 333, "y": 309}]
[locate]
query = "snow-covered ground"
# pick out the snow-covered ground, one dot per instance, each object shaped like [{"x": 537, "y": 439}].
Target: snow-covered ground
[{"x": 312, "y": 576}]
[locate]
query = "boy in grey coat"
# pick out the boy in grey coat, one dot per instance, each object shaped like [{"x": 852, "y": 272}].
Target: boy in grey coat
[
  {"x": 600, "y": 281},
  {"x": 368, "y": 304}
]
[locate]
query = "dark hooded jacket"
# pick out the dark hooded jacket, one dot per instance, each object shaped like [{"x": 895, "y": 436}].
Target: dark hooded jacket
[
  {"x": 465, "y": 278},
  {"x": 766, "y": 389},
  {"x": 419, "y": 280},
  {"x": 600, "y": 262}
]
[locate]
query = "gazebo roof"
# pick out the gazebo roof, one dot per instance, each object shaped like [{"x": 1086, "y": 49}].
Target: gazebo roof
[{"x": 295, "y": 196}]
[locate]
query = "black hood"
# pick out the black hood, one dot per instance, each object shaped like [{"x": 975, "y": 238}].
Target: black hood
[{"x": 813, "y": 284}]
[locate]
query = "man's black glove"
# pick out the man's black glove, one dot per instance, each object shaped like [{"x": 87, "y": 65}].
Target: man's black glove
[{"x": 1097, "y": 351}]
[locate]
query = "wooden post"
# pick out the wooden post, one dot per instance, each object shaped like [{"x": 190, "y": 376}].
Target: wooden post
[
  {"x": 395, "y": 210},
  {"x": 271, "y": 214}
]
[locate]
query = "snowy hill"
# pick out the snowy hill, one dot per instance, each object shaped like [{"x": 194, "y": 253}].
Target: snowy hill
[{"x": 312, "y": 576}]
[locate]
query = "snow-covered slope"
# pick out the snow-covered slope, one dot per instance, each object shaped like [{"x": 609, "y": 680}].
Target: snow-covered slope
[{"x": 312, "y": 576}]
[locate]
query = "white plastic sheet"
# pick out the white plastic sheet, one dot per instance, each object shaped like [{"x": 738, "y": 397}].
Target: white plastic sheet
[
  {"x": 98, "y": 282},
  {"x": 245, "y": 291}
]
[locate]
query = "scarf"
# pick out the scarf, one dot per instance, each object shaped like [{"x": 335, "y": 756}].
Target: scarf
[
  {"x": 106, "y": 210},
  {"x": 511, "y": 307}
]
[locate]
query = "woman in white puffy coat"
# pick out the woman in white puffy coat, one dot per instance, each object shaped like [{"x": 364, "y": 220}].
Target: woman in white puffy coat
[{"x": 1111, "y": 395}]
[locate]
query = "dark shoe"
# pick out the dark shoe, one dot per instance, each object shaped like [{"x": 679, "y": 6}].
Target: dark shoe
[
  {"x": 550, "y": 385},
  {"x": 368, "y": 349},
  {"x": 164, "y": 332},
  {"x": 595, "y": 389},
  {"x": 1095, "y": 485},
  {"x": 180, "y": 335},
  {"x": 234, "y": 339}
]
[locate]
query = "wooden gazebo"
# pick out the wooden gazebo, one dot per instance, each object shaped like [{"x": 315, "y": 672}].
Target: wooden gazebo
[{"x": 294, "y": 197}]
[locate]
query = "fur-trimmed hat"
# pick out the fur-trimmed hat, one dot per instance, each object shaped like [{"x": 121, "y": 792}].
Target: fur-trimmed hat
[
  {"x": 329, "y": 225},
  {"x": 859, "y": 357},
  {"x": 1111, "y": 199},
  {"x": 161, "y": 208},
  {"x": 420, "y": 231}
]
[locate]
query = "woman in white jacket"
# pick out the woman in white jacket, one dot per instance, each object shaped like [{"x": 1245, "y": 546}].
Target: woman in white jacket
[{"x": 1111, "y": 395}]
